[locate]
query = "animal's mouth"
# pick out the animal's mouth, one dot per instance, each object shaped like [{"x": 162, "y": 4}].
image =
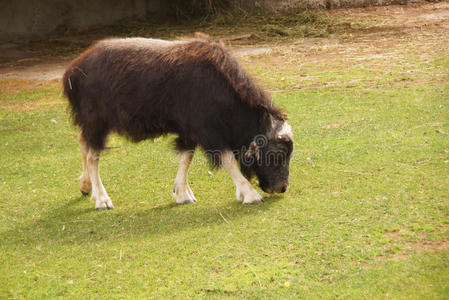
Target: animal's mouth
[
  {"x": 267, "y": 190},
  {"x": 277, "y": 190}
]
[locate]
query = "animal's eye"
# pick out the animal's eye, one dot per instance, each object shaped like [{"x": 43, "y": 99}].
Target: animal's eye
[
  {"x": 283, "y": 148},
  {"x": 285, "y": 145}
]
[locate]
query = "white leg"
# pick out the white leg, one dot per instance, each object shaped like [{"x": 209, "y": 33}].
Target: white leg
[
  {"x": 244, "y": 190},
  {"x": 181, "y": 189},
  {"x": 85, "y": 184},
  {"x": 99, "y": 195}
]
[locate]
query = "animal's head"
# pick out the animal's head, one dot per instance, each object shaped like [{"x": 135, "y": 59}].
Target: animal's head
[{"x": 268, "y": 157}]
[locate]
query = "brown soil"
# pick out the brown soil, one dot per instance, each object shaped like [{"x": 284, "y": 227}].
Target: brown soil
[
  {"x": 374, "y": 39},
  {"x": 397, "y": 237},
  {"x": 381, "y": 34}
]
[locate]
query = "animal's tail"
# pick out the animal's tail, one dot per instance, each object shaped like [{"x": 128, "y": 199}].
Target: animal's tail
[{"x": 71, "y": 87}]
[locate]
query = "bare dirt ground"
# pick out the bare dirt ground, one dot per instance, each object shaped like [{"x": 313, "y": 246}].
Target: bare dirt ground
[
  {"x": 375, "y": 39},
  {"x": 367, "y": 33}
]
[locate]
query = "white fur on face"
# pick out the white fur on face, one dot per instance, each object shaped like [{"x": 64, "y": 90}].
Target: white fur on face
[{"x": 285, "y": 130}]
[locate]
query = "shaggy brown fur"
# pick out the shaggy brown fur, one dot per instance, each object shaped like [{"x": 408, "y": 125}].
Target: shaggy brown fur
[
  {"x": 142, "y": 89},
  {"x": 214, "y": 54}
]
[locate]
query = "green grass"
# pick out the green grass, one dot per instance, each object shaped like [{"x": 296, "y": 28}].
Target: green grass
[{"x": 374, "y": 187}]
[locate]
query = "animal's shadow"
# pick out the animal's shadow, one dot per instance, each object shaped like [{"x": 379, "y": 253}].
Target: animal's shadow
[{"x": 74, "y": 223}]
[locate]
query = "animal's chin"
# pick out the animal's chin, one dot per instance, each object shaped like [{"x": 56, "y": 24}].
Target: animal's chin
[{"x": 267, "y": 190}]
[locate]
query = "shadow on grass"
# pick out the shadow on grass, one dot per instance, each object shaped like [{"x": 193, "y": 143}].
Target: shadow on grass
[{"x": 75, "y": 223}]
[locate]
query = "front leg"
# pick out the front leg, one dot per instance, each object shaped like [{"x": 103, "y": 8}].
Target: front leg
[
  {"x": 244, "y": 190},
  {"x": 181, "y": 190}
]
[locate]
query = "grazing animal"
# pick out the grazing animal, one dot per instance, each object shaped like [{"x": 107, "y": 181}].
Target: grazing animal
[{"x": 143, "y": 88}]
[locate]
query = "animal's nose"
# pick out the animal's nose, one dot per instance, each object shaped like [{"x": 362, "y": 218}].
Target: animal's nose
[{"x": 281, "y": 188}]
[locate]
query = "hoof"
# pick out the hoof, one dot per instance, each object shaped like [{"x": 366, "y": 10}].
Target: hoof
[
  {"x": 183, "y": 195},
  {"x": 256, "y": 201},
  {"x": 103, "y": 203},
  {"x": 186, "y": 201},
  {"x": 85, "y": 186},
  {"x": 104, "y": 208},
  {"x": 248, "y": 195}
]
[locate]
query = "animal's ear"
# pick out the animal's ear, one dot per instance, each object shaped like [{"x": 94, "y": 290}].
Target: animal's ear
[{"x": 253, "y": 150}]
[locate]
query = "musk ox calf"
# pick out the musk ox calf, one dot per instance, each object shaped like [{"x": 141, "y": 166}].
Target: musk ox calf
[{"x": 144, "y": 88}]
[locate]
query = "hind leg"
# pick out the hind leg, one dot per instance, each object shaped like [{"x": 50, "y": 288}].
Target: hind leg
[
  {"x": 85, "y": 183},
  {"x": 99, "y": 194},
  {"x": 181, "y": 190}
]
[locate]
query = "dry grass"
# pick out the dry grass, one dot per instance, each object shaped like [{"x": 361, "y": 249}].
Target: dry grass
[
  {"x": 25, "y": 95},
  {"x": 403, "y": 243}
]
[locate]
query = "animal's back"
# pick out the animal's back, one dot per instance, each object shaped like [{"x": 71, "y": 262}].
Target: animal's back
[{"x": 109, "y": 54}]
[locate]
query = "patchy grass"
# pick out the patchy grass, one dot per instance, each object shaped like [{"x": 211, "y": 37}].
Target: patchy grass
[
  {"x": 382, "y": 169},
  {"x": 29, "y": 95},
  {"x": 367, "y": 214}
]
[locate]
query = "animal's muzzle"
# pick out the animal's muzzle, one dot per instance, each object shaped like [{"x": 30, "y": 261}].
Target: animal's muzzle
[{"x": 280, "y": 187}]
